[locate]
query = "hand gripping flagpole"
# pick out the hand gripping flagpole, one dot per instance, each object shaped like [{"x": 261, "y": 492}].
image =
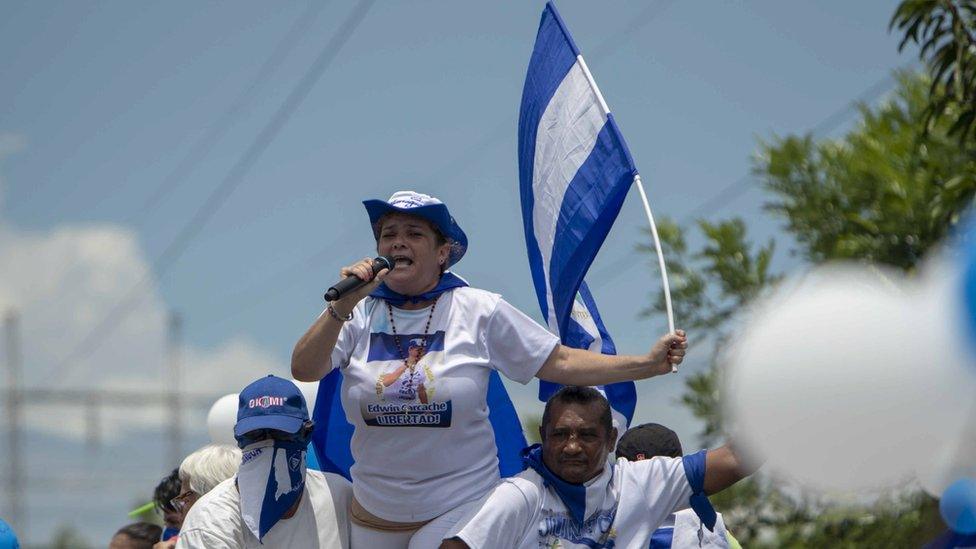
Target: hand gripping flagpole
[{"x": 647, "y": 208}]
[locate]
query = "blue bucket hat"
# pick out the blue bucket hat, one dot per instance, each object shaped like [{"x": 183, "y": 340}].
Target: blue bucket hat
[
  {"x": 427, "y": 207},
  {"x": 270, "y": 403}
]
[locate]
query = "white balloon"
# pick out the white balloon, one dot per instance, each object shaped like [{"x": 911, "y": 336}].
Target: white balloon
[
  {"x": 833, "y": 381},
  {"x": 310, "y": 390},
  {"x": 221, "y": 420},
  {"x": 950, "y": 463},
  {"x": 954, "y": 425}
]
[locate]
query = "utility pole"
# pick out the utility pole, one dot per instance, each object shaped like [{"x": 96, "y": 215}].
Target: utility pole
[
  {"x": 174, "y": 374},
  {"x": 92, "y": 427},
  {"x": 14, "y": 445}
]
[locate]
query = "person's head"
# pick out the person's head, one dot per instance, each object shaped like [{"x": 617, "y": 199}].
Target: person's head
[
  {"x": 418, "y": 232},
  {"x": 647, "y": 441},
  {"x": 163, "y": 495},
  {"x": 416, "y": 349},
  {"x": 139, "y": 535},
  {"x": 273, "y": 430},
  {"x": 204, "y": 469},
  {"x": 272, "y": 408},
  {"x": 577, "y": 433}
]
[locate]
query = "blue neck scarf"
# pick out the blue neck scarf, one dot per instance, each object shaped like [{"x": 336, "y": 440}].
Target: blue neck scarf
[
  {"x": 447, "y": 282},
  {"x": 573, "y": 496}
]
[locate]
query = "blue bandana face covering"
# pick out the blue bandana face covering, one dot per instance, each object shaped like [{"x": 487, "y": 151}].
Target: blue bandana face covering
[
  {"x": 448, "y": 281},
  {"x": 270, "y": 480}
]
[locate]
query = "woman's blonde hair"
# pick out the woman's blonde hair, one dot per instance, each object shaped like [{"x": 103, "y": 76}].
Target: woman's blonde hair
[{"x": 209, "y": 466}]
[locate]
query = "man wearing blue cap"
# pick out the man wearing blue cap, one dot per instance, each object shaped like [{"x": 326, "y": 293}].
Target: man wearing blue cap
[{"x": 273, "y": 501}]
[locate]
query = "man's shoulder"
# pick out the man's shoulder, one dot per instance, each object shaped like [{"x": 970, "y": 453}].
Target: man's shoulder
[
  {"x": 224, "y": 498},
  {"x": 658, "y": 466},
  {"x": 336, "y": 484},
  {"x": 219, "y": 510},
  {"x": 529, "y": 483},
  {"x": 320, "y": 483}
]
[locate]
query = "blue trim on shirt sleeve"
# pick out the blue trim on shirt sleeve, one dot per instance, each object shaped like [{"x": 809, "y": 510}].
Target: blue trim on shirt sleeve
[{"x": 694, "y": 465}]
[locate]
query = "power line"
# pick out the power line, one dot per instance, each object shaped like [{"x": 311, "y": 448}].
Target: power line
[
  {"x": 733, "y": 190},
  {"x": 465, "y": 159},
  {"x": 219, "y": 195},
  {"x": 504, "y": 128},
  {"x": 202, "y": 147},
  {"x": 638, "y": 22}
]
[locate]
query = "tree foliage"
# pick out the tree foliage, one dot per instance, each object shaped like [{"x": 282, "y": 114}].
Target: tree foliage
[
  {"x": 945, "y": 31},
  {"x": 885, "y": 193},
  {"x": 881, "y": 194}
]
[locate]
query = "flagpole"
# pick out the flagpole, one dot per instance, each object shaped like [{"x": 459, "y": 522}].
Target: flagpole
[
  {"x": 660, "y": 258},
  {"x": 647, "y": 206}
]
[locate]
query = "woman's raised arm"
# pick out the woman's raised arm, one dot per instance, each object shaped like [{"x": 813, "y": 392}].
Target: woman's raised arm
[{"x": 570, "y": 366}]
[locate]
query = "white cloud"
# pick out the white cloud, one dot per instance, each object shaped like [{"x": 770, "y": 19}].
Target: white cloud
[{"x": 62, "y": 283}]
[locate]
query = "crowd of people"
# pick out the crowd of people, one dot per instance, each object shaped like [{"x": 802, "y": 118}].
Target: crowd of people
[{"x": 415, "y": 346}]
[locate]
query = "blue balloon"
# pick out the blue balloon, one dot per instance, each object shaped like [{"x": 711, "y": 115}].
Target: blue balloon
[
  {"x": 958, "y": 506},
  {"x": 8, "y": 540},
  {"x": 965, "y": 242}
]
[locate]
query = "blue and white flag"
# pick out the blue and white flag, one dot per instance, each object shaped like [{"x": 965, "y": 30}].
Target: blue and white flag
[
  {"x": 585, "y": 330},
  {"x": 574, "y": 173}
]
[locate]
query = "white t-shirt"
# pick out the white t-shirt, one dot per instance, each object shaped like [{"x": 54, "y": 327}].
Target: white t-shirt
[
  {"x": 321, "y": 521},
  {"x": 522, "y": 512},
  {"x": 684, "y": 530},
  {"x": 422, "y": 442}
]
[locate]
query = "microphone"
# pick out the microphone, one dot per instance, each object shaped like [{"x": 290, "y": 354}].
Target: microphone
[{"x": 350, "y": 283}]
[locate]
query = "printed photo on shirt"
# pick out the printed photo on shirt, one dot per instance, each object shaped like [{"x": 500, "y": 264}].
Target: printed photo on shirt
[
  {"x": 407, "y": 393},
  {"x": 557, "y": 528}
]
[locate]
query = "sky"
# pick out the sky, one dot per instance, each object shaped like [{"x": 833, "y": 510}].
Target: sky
[{"x": 138, "y": 174}]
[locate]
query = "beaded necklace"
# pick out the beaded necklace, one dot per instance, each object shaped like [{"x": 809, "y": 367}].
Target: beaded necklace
[{"x": 408, "y": 384}]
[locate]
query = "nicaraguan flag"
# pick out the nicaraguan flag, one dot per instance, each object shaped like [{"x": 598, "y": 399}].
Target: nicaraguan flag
[
  {"x": 574, "y": 173},
  {"x": 585, "y": 330}
]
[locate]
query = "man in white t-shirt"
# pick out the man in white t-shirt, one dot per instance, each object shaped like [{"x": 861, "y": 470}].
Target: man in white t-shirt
[
  {"x": 273, "y": 501},
  {"x": 573, "y": 495}
]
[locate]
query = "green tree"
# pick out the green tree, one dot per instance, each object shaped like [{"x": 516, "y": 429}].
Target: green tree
[
  {"x": 945, "y": 31},
  {"x": 885, "y": 193},
  {"x": 882, "y": 194}
]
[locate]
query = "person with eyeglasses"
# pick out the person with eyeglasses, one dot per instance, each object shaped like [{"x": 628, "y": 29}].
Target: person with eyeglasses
[
  {"x": 199, "y": 473},
  {"x": 273, "y": 501},
  {"x": 163, "y": 495}
]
